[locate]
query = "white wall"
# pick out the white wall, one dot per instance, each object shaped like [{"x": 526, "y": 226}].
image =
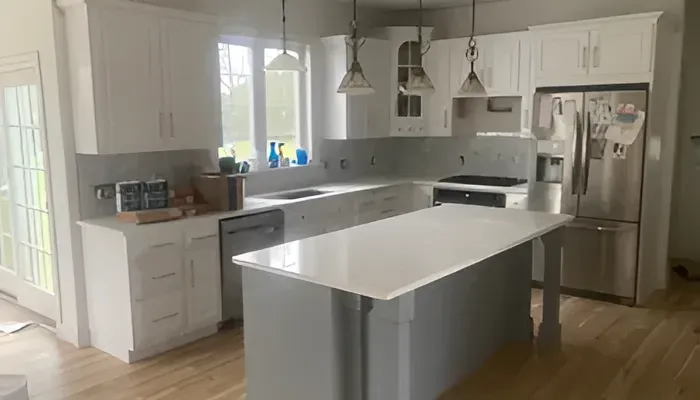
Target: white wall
[
  {"x": 263, "y": 18},
  {"x": 518, "y": 15},
  {"x": 28, "y": 26}
]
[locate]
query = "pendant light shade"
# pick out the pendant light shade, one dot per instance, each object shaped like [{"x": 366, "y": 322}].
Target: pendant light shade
[
  {"x": 419, "y": 83},
  {"x": 354, "y": 82},
  {"x": 285, "y": 61},
  {"x": 472, "y": 86}
]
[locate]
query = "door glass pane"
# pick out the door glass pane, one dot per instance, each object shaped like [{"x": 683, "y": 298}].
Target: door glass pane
[
  {"x": 25, "y": 227},
  {"x": 282, "y": 106}
]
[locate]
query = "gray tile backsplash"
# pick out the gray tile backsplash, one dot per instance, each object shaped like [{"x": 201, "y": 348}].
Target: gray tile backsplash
[
  {"x": 393, "y": 157},
  {"x": 175, "y": 166},
  {"x": 492, "y": 156}
]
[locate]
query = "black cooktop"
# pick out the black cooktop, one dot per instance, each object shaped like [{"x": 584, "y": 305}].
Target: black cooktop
[{"x": 484, "y": 180}]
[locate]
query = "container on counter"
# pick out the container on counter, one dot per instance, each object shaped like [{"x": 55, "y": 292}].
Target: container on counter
[{"x": 129, "y": 196}]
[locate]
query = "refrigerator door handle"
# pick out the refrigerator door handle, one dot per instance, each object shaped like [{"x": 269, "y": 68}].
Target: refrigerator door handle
[
  {"x": 600, "y": 228},
  {"x": 577, "y": 148},
  {"x": 586, "y": 154}
]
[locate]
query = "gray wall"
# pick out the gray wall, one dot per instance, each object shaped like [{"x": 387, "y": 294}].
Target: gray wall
[{"x": 685, "y": 222}]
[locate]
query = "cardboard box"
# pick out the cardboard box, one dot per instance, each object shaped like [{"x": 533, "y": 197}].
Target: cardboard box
[{"x": 220, "y": 191}]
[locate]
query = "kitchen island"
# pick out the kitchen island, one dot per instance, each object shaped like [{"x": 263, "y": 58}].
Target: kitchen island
[{"x": 401, "y": 308}]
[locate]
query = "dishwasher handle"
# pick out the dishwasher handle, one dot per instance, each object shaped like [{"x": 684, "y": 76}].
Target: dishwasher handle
[{"x": 264, "y": 229}]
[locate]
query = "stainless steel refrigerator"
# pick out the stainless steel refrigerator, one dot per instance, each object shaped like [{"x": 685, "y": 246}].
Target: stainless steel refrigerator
[{"x": 601, "y": 132}]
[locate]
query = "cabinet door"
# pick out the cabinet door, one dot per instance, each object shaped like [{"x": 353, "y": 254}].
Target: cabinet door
[
  {"x": 376, "y": 63},
  {"x": 562, "y": 55},
  {"x": 622, "y": 48},
  {"x": 127, "y": 76},
  {"x": 439, "y": 105},
  {"x": 203, "y": 277},
  {"x": 460, "y": 66},
  {"x": 192, "y": 85},
  {"x": 502, "y": 61}
]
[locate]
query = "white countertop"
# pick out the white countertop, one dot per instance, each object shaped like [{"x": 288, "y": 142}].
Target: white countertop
[
  {"x": 255, "y": 204},
  {"x": 388, "y": 258}
]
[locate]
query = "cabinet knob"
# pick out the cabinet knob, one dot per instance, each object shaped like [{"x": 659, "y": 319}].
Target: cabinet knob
[{"x": 410, "y": 129}]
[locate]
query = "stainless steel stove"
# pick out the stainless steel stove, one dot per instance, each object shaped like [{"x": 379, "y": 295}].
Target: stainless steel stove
[{"x": 483, "y": 196}]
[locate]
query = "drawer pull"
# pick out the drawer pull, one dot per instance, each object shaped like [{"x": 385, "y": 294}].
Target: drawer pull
[
  {"x": 173, "y": 315},
  {"x": 205, "y": 237},
  {"x": 388, "y": 212},
  {"x": 162, "y": 245},
  {"x": 155, "y": 278}
]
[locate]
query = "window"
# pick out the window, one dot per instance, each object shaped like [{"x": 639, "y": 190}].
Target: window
[
  {"x": 260, "y": 107},
  {"x": 236, "y": 101}
]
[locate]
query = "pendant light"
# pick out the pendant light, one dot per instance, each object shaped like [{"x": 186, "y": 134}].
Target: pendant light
[
  {"x": 354, "y": 81},
  {"x": 419, "y": 84},
  {"x": 285, "y": 61},
  {"x": 472, "y": 86}
]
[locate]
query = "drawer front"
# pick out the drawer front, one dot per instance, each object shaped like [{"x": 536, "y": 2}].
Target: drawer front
[
  {"x": 158, "y": 319},
  {"x": 158, "y": 270}
]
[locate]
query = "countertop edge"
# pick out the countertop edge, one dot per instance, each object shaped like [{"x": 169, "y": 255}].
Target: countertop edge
[
  {"x": 417, "y": 284},
  {"x": 110, "y": 222}
]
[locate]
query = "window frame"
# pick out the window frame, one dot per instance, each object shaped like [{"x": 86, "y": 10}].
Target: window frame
[{"x": 259, "y": 96}]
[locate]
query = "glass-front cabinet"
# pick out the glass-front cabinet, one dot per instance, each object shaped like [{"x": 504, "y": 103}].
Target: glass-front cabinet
[
  {"x": 408, "y": 112},
  {"x": 409, "y": 60}
]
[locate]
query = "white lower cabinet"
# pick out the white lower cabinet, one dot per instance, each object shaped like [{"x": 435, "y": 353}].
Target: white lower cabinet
[
  {"x": 203, "y": 278},
  {"x": 153, "y": 288}
]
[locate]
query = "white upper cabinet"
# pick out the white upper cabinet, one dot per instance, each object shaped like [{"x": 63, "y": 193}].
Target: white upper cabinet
[
  {"x": 561, "y": 55},
  {"x": 498, "y": 65},
  {"x": 192, "y": 94},
  {"x": 408, "y": 112},
  {"x": 356, "y": 117},
  {"x": 126, "y": 72},
  {"x": 439, "y": 104},
  {"x": 623, "y": 48},
  {"x": 501, "y": 64},
  {"x": 605, "y": 51},
  {"x": 141, "y": 79}
]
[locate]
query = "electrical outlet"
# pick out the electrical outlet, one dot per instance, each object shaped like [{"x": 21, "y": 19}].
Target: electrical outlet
[{"x": 105, "y": 191}]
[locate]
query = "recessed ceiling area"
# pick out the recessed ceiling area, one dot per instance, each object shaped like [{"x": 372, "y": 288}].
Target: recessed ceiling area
[{"x": 413, "y": 4}]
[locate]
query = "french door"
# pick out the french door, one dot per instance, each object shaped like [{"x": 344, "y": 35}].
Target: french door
[{"x": 27, "y": 263}]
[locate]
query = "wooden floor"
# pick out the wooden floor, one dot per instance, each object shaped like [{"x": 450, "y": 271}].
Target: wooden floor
[{"x": 610, "y": 352}]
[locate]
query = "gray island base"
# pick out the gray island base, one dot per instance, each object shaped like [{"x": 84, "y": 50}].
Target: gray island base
[{"x": 306, "y": 340}]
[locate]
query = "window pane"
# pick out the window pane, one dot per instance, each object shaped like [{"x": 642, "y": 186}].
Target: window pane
[
  {"x": 282, "y": 106},
  {"x": 236, "y": 102}
]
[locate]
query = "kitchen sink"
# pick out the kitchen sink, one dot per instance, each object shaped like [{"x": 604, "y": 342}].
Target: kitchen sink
[{"x": 296, "y": 194}]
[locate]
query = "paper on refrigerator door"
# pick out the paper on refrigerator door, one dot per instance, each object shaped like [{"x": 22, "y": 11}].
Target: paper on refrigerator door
[
  {"x": 546, "y": 111},
  {"x": 626, "y": 133}
]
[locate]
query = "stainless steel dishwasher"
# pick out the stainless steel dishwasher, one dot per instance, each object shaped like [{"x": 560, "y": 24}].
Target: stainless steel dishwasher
[{"x": 241, "y": 235}]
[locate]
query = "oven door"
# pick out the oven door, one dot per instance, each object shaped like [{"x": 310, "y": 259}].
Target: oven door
[{"x": 487, "y": 199}]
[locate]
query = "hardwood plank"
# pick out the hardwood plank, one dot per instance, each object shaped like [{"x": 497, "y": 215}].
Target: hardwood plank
[{"x": 609, "y": 352}]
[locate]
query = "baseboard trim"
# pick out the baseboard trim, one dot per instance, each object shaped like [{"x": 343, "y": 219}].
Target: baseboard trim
[{"x": 141, "y": 354}]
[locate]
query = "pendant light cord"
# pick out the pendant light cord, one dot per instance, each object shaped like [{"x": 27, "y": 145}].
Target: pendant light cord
[
  {"x": 472, "y": 51},
  {"x": 355, "y": 45},
  {"x": 284, "y": 27},
  {"x": 473, "y": 19}
]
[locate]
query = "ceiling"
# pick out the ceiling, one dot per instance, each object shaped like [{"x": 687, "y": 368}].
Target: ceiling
[{"x": 413, "y": 4}]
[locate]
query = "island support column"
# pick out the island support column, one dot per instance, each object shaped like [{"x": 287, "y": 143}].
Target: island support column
[
  {"x": 360, "y": 306},
  {"x": 549, "y": 337}
]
